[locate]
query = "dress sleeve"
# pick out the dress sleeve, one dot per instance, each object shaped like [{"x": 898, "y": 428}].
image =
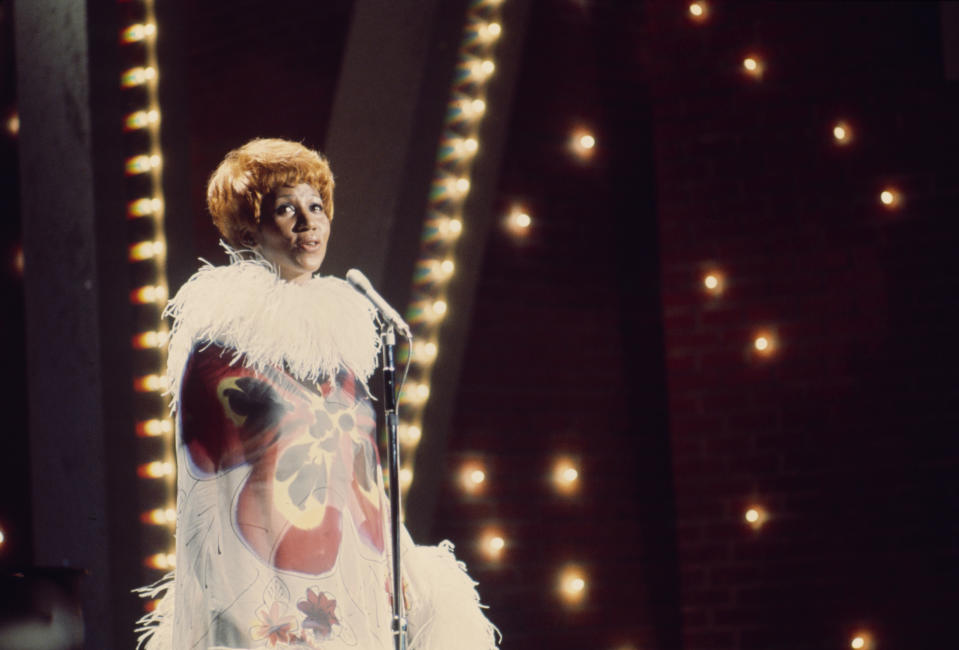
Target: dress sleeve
[
  {"x": 443, "y": 606},
  {"x": 228, "y": 413}
]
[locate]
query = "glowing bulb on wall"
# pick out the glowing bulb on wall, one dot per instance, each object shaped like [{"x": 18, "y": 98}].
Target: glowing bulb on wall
[
  {"x": 714, "y": 282},
  {"x": 764, "y": 344},
  {"x": 12, "y": 124},
  {"x": 472, "y": 477},
  {"x": 572, "y": 585},
  {"x": 492, "y": 544},
  {"x": 156, "y": 469},
  {"x": 410, "y": 434},
  {"x": 518, "y": 221},
  {"x": 582, "y": 144},
  {"x": 841, "y": 133},
  {"x": 756, "y": 516},
  {"x": 152, "y": 428},
  {"x": 565, "y": 476},
  {"x": 861, "y": 641},
  {"x": 753, "y": 66},
  {"x": 697, "y": 11},
  {"x": 890, "y": 198}
]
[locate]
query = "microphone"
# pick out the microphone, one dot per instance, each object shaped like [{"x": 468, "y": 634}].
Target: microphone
[{"x": 359, "y": 282}]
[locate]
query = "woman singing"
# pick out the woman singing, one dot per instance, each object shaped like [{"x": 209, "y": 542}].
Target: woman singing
[{"x": 281, "y": 513}]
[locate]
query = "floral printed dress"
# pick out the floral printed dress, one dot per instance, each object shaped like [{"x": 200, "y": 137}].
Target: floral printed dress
[
  {"x": 282, "y": 519},
  {"x": 281, "y": 513}
]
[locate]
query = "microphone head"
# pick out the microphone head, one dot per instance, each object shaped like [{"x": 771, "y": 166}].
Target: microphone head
[{"x": 356, "y": 278}]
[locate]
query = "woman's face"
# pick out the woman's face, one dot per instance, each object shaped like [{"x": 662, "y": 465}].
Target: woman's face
[{"x": 293, "y": 231}]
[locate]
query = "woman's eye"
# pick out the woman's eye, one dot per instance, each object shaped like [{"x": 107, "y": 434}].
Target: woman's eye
[
  {"x": 284, "y": 209},
  {"x": 316, "y": 207}
]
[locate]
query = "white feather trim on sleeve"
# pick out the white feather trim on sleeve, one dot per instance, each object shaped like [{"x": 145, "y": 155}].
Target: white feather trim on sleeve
[{"x": 443, "y": 609}]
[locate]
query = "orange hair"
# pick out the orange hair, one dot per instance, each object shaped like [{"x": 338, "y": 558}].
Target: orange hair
[{"x": 238, "y": 186}]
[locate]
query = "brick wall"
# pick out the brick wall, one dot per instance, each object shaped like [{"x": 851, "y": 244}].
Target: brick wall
[
  {"x": 846, "y": 433},
  {"x": 596, "y": 336}
]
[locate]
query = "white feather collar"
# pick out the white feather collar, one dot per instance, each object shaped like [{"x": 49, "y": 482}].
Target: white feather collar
[{"x": 313, "y": 329}]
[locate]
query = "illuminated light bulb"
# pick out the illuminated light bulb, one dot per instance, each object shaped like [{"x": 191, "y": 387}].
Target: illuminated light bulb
[
  {"x": 148, "y": 294},
  {"x": 487, "y": 67},
  {"x": 890, "y": 197},
  {"x": 150, "y": 383},
  {"x": 518, "y": 221},
  {"x": 410, "y": 434},
  {"x": 146, "y": 250},
  {"x": 162, "y": 561},
  {"x": 858, "y": 642},
  {"x": 492, "y": 544},
  {"x": 841, "y": 133},
  {"x": 155, "y": 161},
  {"x": 454, "y": 227},
  {"x": 148, "y": 340},
  {"x": 582, "y": 144},
  {"x": 406, "y": 477},
  {"x": 423, "y": 391},
  {"x": 159, "y": 516},
  {"x": 490, "y": 31},
  {"x": 572, "y": 585},
  {"x": 472, "y": 477},
  {"x": 753, "y": 66},
  {"x": 697, "y": 10},
  {"x": 137, "y": 76},
  {"x": 462, "y": 185},
  {"x": 134, "y": 121},
  {"x": 714, "y": 282},
  {"x": 144, "y": 208},
  {"x": 447, "y": 266},
  {"x": 138, "y": 32},
  {"x": 425, "y": 351},
  {"x": 764, "y": 344},
  {"x": 478, "y": 106},
  {"x": 153, "y": 428},
  {"x": 471, "y": 145},
  {"x": 12, "y": 124},
  {"x": 565, "y": 476},
  {"x": 756, "y": 516},
  {"x": 138, "y": 165},
  {"x": 439, "y": 308},
  {"x": 861, "y": 641},
  {"x": 156, "y": 469},
  {"x": 19, "y": 261},
  {"x": 3, "y": 538}
]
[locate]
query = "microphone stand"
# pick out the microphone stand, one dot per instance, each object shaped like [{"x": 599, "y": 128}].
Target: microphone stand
[{"x": 399, "y": 623}]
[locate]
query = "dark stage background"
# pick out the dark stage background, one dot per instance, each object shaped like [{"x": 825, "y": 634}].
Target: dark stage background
[{"x": 591, "y": 335}]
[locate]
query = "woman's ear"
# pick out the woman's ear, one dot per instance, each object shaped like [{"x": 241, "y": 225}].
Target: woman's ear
[{"x": 248, "y": 239}]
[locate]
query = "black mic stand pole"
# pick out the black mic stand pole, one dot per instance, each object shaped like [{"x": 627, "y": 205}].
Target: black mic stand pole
[{"x": 389, "y": 391}]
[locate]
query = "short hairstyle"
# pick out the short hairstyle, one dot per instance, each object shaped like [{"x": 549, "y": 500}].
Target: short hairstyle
[{"x": 248, "y": 174}]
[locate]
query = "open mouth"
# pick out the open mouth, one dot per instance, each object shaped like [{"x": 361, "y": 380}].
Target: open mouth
[{"x": 308, "y": 245}]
